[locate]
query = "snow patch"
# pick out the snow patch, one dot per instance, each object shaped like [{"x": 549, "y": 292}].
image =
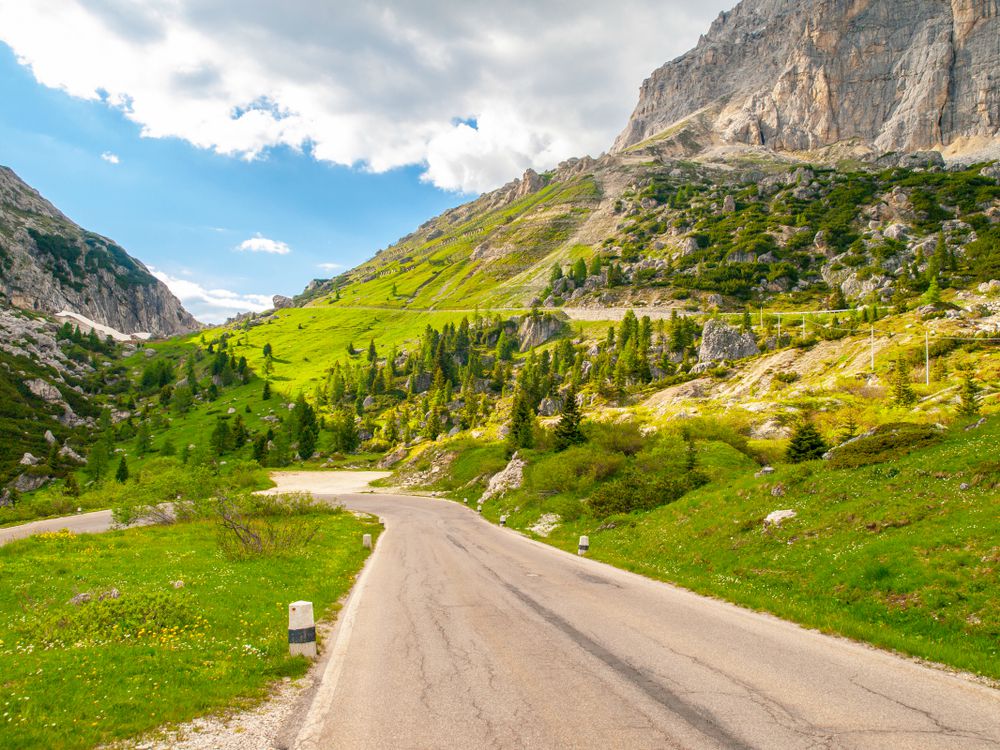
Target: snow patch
[{"x": 87, "y": 325}]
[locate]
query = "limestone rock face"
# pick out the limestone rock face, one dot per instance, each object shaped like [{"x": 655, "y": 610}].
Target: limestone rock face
[
  {"x": 893, "y": 75},
  {"x": 535, "y": 330},
  {"x": 280, "y": 301},
  {"x": 721, "y": 341},
  {"x": 50, "y": 264}
]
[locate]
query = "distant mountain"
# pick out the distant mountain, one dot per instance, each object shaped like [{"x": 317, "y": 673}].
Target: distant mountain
[
  {"x": 49, "y": 264},
  {"x": 794, "y": 75}
]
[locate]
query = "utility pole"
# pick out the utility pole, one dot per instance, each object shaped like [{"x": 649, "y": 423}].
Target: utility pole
[
  {"x": 873, "y": 348},
  {"x": 927, "y": 358}
]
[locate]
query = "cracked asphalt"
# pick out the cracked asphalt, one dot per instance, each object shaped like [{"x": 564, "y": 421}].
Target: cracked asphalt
[{"x": 466, "y": 635}]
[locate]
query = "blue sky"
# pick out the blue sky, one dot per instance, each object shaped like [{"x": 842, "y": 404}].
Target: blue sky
[
  {"x": 243, "y": 149},
  {"x": 184, "y": 210}
]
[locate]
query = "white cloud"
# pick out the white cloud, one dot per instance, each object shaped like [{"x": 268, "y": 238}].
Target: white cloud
[
  {"x": 474, "y": 91},
  {"x": 260, "y": 244},
  {"x": 110, "y": 158},
  {"x": 329, "y": 266},
  {"x": 212, "y": 305}
]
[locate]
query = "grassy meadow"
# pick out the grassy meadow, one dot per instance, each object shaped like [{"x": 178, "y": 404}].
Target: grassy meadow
[{"x": 75, "y": 676}]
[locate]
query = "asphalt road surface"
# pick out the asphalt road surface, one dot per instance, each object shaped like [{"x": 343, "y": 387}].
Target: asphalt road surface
[{"x": 461, "y": 634}]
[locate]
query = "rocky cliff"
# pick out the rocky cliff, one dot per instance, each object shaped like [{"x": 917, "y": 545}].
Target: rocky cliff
[
  {"x": 50, "y": 264},
  {"x": 793, "y": 75}
]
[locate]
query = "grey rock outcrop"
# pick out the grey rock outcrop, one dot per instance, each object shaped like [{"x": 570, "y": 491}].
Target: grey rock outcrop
[
  {"x": 720, "y": 341},
  {"x": 50, "y": 264},
  {"x": 889, "y": 75},
  {"x": 535, "y": 330},
  {"x": 280, "y": 302}
]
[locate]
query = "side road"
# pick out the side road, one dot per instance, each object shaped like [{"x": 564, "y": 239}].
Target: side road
[{"x": 291, "y": 481}]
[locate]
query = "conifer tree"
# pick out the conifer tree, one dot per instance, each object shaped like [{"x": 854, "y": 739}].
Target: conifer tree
[
  {"x": 806, "y": 444},
  {"x": 266, "y": 394},
  {"x": 522, "y": 423},
  {"x": 902, "y": 390},
  {"x": 568, "y": 429},
  {"x": 121, "y": 474},
  {"x": 968, "y": 405}
]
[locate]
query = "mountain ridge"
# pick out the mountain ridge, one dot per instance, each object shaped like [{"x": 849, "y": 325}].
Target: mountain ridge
[
  {"x": 793, "y": 76},
  {"x": 49, "y": 264}
]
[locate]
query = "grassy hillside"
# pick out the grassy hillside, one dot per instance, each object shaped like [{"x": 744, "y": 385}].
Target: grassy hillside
[{"x": 900, "y": 551}]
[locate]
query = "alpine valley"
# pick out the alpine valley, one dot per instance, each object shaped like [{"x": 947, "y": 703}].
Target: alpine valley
[{"x": 753, "y": 349}]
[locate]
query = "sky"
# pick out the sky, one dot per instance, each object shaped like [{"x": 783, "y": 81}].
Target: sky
[{"x": 241, "y": 149}]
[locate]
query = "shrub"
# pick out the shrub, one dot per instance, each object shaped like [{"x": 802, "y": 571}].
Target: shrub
[
  {"x": 622, "y": 438},
  {"x": 884, "y": 443},
  {"x": 635, "y": 490},
  {"x": 252, "y": 525}
]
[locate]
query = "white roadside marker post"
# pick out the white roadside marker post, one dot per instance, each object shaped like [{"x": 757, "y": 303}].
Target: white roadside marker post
[
  {"x": 479, "y": 509},
  {"x": 301, "y": 630},
  {"x": 503, "y": 520},
  {"x": 584, "y": 545},
  {"x": 366, "y": 541}
]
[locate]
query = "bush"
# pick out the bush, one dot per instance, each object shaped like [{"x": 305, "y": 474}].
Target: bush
[
  {"x": 252, "y": 525},
  {"x": 884, "y": 443},
  {"x": 635, "y": 490},
  {"x": 574, "y": 470},
  {"x": 624, "y": 438}
]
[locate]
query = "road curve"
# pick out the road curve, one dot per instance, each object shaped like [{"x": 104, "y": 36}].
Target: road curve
[
  {"x": 84, "y": 523},
  {"x": 466, "y": 635}
]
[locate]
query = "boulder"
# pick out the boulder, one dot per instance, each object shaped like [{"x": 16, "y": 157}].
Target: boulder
[
  {"x": 419, "y": 383},
  {"x": 49, "y": 437},
  {"x": 81, "y": 598},
  {"x": 369, "y": 402},
  {"x": 30, "y": 482},
  {"x": 68, "y": 453},
  {"x": 29, "y": 460},
  {"x": 549, "y": 407},
  {"x": 510, "y": 478},
  {"x": 391, "y": 459},
  {"x": 775, "y": 518},
  {"x": 280, "y": 302},
  {"x": 720, "y": 341},
  {"x": 43, "y": 389}
]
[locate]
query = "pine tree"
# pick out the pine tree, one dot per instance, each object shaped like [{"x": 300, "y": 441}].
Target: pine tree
[
  {"x": 568, "y": 429},
  {"x": 806, "y": 444},
  {"x": 220, "y": 439},
  {"x": 848, "y": 430},
  {"x": 97, "y": 459},
  {"x": 142, "y": 440},
  {"x": 266, "y": 394},
  {"x": 522, "y": 423},
  {"x": 902, "y": 390},
  {"x": 968, "y": 405},
  {"x": 121, "y": 474},
  {"x": 72, "y": 486}
]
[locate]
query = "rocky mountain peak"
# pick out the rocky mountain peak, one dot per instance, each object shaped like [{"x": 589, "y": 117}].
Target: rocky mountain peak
[
  {"x": 795, "y": 75},
  {"x": 49, "y": 264}
]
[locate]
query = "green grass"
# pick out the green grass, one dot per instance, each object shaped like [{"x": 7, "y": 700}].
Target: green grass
[
  {"x": 74, "y": 677},
  {"x": 895, "y": 553}
]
